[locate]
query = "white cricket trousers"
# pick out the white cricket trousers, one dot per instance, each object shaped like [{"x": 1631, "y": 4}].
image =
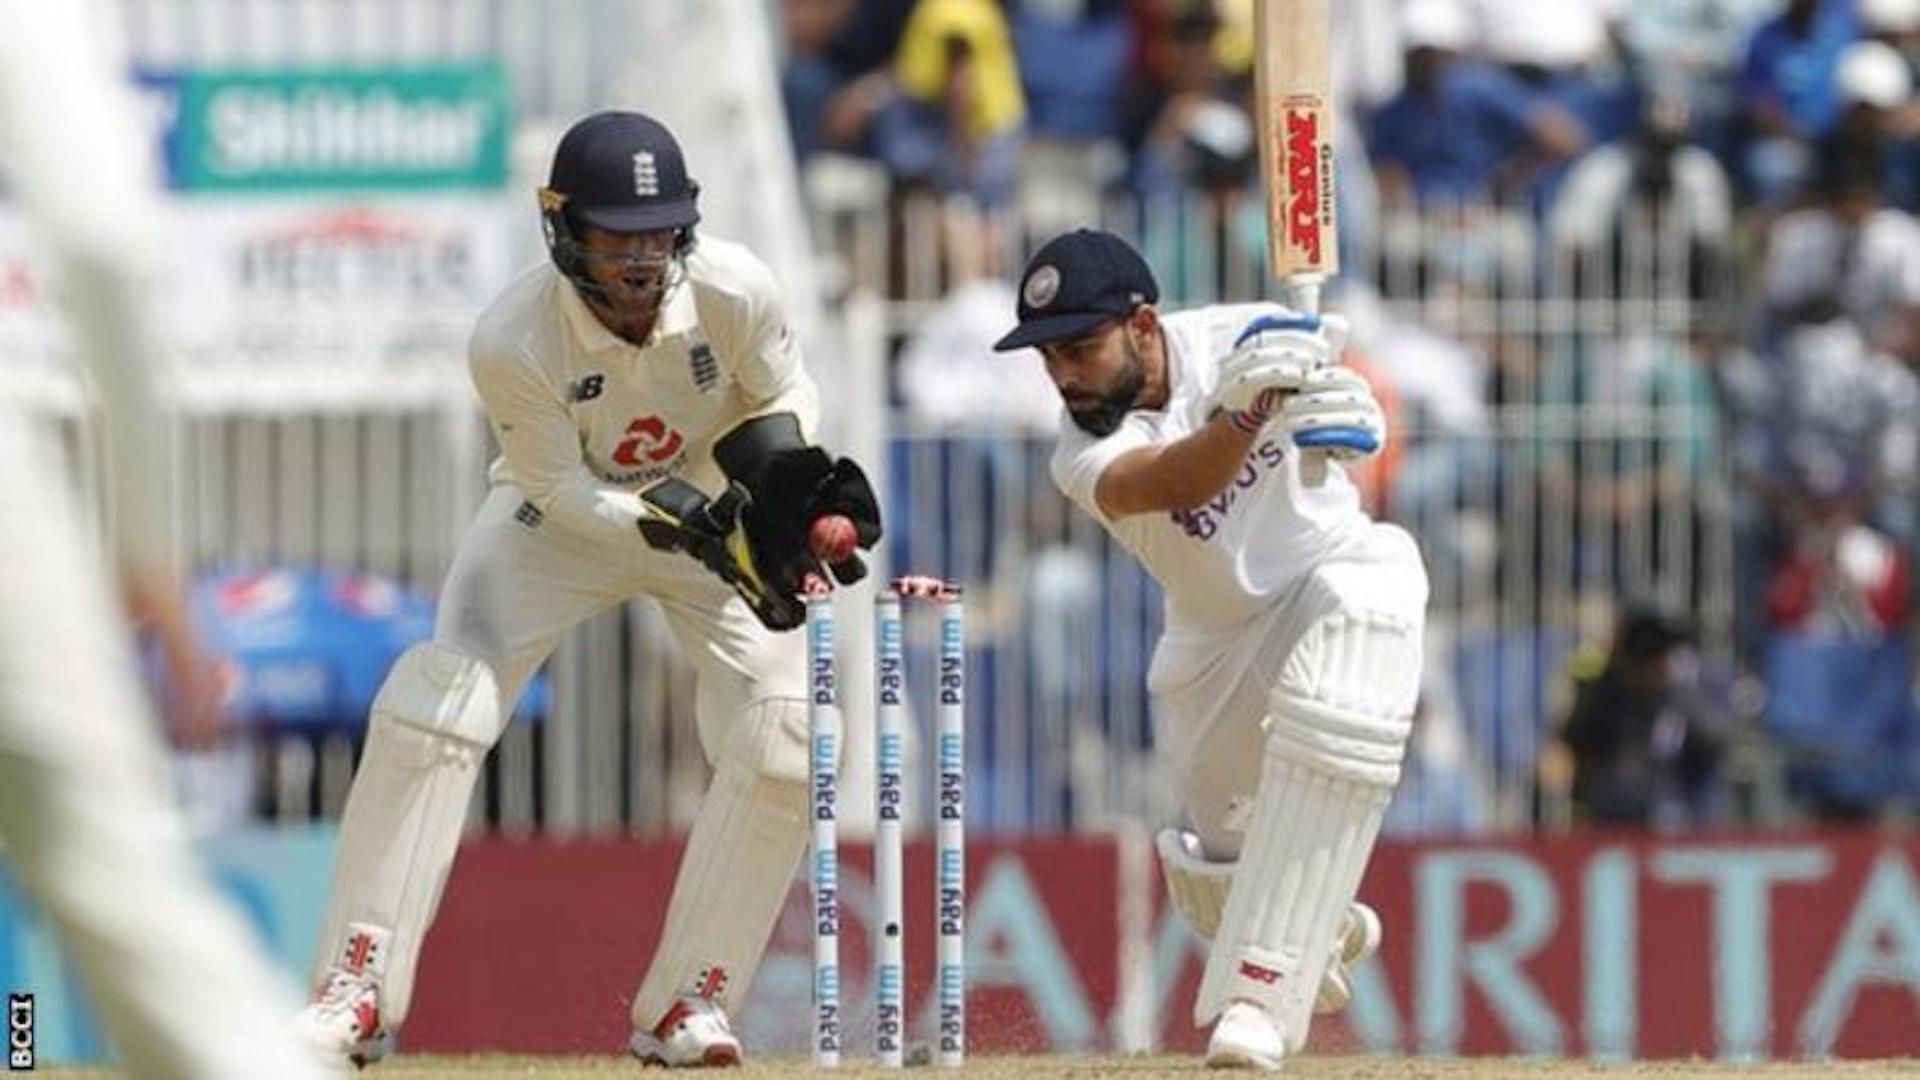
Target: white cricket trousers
[
  {"x": 1210, "y": 694},
  {"x": 88, "y": 821},
  {"x": 519, "y": 584}
]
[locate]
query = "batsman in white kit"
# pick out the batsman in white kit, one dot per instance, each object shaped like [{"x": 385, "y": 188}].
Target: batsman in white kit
[
  {"x": 636, "y": 371},
  {"x": 87, "y": 820},
  {"x": 1285, "y": 684}
]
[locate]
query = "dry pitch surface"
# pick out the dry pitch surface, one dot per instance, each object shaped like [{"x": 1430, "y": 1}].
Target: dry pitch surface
[{"x": 495, "y": 1067}]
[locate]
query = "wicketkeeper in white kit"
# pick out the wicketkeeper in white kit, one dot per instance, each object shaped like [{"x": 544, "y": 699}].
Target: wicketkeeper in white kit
[
  {"x": 625, "y": 379},
  {"x": 1285, "y": 683}
]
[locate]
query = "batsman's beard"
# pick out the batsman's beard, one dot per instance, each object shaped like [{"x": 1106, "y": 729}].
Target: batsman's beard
[{"x": 1103, "y": 418}]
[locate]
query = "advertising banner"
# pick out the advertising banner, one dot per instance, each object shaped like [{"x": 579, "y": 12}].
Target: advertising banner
[
  {"x": 1748, "y": 947},
  {"x": 408, "y": 128},
  {"x": 1614, "y": 948},
  {"x": 298, "y": 301},
  {"x": 333, "y": 234}
]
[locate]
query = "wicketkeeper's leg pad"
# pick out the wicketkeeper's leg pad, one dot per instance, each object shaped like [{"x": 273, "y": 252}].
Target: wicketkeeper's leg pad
[
  {"x": 433, "y": 721},
  {"x": 739, "y": 862},
  {"x": 1337, "y": 730}
]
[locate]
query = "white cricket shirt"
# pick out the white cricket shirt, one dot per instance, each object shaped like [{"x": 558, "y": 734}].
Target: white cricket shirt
[
  {"x": 585, "y": 419},
  {"x": 1226, "y": 561}
]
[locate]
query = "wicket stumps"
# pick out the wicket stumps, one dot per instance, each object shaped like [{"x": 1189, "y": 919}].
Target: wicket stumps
[
  {"x": 889, "y": 803},
  {"x": 823, "y": 742}
]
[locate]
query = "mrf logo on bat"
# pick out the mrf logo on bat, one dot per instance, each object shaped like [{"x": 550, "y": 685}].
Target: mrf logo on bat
[{"x": 1307, "y": 165}]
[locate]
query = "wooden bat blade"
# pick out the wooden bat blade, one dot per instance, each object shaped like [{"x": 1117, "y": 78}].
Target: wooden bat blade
[{"x": 1293, "y": 87}]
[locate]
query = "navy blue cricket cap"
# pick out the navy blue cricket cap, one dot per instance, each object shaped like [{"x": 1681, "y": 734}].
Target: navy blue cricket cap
[
  {"x": 623, "y": 172},
  {"x": 1075, "y": 282}
]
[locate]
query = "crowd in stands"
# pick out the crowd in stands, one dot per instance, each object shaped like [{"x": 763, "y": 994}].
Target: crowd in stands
[{"x": 1778, "y": 143}]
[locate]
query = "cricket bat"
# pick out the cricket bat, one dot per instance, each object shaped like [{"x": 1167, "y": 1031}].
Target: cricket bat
[{"x": 1293, "y": 92}]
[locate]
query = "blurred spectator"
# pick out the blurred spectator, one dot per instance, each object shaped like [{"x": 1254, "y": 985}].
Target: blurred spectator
[
  {"x": 1073, "y": 58},
  {"x": 950, "y": 377},
  {"x": 1846, "y": 418},
  {"x": 1192, "y": 130},
  {"x": 1564, "y": 53},
  {"x": 871, "y": 36},
  {"x": 1565, "y": 37},
  {"x": 1073, "y": 64},
  {"x": 1873, "y": 75},
  {"x": 1368, "y": 57},
  {"x": 1875, "y": 89},
  {"x": 956, "y": 125},
  {"x": 1896, "y": 24},
  {"x": 1788, "y": 94},
  {"x": 1642, "y": 742},
  {"x": 812, "y": 82},
  {"x": 1849, "y": 253},
  {"x": 1837, "y": 666},
  {"x": 1841, "y": 576},
  {"x": 1658, "y": 170},
  {"x": 1461, "y": 129},
  {"x": 1695, "y": 45}
]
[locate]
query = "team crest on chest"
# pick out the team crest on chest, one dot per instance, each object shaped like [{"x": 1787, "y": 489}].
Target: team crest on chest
[{"x": 704, "y": 368}]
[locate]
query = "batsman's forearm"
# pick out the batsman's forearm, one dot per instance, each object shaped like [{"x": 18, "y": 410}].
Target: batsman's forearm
[{"x": 1179, "y": 475}]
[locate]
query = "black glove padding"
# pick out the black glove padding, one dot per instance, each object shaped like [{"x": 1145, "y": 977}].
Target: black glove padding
[
  {"x": 795, "y": 488},
  {"x": 680, "y": 517}
]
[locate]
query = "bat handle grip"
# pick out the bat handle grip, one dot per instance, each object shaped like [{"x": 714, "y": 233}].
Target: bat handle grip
[{"x": 1303, "y": 295}]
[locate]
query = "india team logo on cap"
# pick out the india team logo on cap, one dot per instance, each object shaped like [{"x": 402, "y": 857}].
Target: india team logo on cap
[{"x": 1041, "y": 287}]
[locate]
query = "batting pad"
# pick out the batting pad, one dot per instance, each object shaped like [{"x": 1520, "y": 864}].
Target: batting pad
[
  {"x": 433, "y": 721},
  {"x": 1337, "y": 731},
  {"x": 734, "y": 877}
]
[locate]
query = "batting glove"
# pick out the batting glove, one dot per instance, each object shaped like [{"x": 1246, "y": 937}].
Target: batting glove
[
  {"x": 1274, "y": 353},
  {"x": 1334, "y": 411}
]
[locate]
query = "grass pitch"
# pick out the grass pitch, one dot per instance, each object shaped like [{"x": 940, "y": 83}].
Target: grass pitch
[{"x": 503, "y": 1067}]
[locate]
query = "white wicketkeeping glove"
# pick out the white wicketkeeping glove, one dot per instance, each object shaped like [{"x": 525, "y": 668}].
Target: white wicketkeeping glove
[
  {"x": 1274, "y": 353},
  {"x": 1334, "y": 411}
]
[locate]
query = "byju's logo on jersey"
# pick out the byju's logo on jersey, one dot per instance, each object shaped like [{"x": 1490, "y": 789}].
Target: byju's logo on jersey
[
  {"x": 646, "y": 175},
  {"x": 586, "y": 388}
]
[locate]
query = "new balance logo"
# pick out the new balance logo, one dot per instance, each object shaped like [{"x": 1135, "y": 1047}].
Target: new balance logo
[
  {"x": 646, "y": 177},
  {"x": 587, "y": 388}
]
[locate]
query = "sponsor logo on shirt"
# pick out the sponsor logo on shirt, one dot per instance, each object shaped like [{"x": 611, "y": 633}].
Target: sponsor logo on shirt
[
  {"x": 649, "y": 441},
  {"x": 529, "y": 515},
  {"x": 1204, "y": 522}
]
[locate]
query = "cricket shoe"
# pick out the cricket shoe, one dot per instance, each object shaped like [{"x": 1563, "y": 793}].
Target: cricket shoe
[
  {"x": 1245, "y": 1037},
  {"x": 694, "y": 1034},
  {"x": 1360, "y": 934},
  {"x": 342, "y": 1021}
]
